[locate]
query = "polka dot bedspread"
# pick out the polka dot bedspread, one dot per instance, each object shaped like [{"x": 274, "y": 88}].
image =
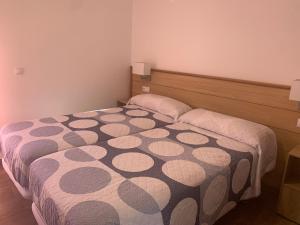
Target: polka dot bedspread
[
  {"x": 23, "y": 142},
  {"x": 171, "y": 175}
]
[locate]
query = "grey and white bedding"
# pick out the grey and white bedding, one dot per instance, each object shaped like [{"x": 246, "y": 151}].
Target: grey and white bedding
[
  {"x": 173, "y": 175},
  {"x": 23, "y": 142}
]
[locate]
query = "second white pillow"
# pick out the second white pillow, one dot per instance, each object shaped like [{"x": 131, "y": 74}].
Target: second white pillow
[{"x": 162, "y": 104}]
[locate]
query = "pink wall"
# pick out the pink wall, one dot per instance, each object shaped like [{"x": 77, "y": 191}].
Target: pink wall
[
  {"x": 76, "y": 54},
  {"x": 247, "y": 39}
]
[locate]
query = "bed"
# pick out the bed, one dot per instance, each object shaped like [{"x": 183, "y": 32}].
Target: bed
[
  {"x": 23, "y": 142},
  {"x": 172, "y": 175}
]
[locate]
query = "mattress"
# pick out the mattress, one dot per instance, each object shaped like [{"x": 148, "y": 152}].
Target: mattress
[
  {"x": 175, "y": 175},
  {"x": 26, "y": 141}
]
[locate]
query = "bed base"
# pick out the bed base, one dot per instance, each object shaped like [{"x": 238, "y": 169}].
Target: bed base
[{"x": 24, "y": 192}]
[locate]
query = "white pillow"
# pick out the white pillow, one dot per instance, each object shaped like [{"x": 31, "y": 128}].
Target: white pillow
[
  {"x": 161, "y": 104},
  {"x": 245, "y": 131}
]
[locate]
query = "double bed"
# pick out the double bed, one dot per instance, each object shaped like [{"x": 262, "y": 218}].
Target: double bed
[{"x": 174, "y": 166}]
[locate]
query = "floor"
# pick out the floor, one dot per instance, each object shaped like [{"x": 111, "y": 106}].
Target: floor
[
  {"x": 260, "y": 211},
  {"x": 14, "y": 210}
]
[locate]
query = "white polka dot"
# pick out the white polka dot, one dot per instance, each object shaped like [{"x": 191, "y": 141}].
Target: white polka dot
[
  {"x": 205, "y": 132},
  {"x": 192, "y": 138},
  {"x": 79, "y": 138},
  {"x": 142, "y": 123},
  {"x": 89, "y": 137},
  {"x": 125, "y": 142},
  {"x": 214, "y": 195},
  {"x": 82, "y": 124},
  {"x": 133, "y": 162},
  {"x": 86, "y": 114},
  {"x": 240, "y": 175},
  {"x": 227, "y": 208},
  {"x": 112, "y": 110},
  {"x": 115, "y": 129},
  {"x": 185, "y": 172},
  {"x": 112, "y": 118},
  {"x": 163, "y": 118},
  {"x": 166, "y": 148},
  {"x": 179, "y": 126},
  {"x": 137, "y": 112},
  {"x": 185, "y": 212},
  {"x": 131, "y": 106},
  {"x": 95, "y": 151},
  {"x": 155, "y": 133},
  {"x": 233, "y": 145},
  {"x": 61, "y": 119},
  {"x": 158, "y": 189},
  {"x": 213, "y": 156}
]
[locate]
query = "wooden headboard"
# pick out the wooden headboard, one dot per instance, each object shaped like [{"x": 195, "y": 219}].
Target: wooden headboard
[{"x": 263, "y": 103}]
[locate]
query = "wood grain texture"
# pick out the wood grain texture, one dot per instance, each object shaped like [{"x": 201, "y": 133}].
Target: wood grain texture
[
  {"x": 257, "y": 83},
  {"x": 276, "y": 96},
  {"x": 259, "y": 211},
  {"x": 289, "y": 205},
  {"x": 289, "y": 198},
  {"x": 263, "y": 103}
]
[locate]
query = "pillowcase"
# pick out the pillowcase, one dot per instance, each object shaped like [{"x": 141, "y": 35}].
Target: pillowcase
[
  {"x": 241, "y": 130},
  {"x": 161, "y": 104}
]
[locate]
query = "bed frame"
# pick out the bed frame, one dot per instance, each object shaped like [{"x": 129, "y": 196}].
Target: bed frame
[{"x": 263, "y": 103}]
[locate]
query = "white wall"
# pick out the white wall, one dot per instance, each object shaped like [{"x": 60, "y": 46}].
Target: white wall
[
  {"x": 246, "y": 39},
  {"x": 76, "y": 54}
]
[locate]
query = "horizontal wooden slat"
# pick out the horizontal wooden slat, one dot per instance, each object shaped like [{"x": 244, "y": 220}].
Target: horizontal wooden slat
[
  {"x": 269, "y": 96},
  {"x": 233, "y": 80}
]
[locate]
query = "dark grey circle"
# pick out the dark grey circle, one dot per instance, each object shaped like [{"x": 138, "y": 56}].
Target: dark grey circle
[
  {"x": 50, "y": 212},
  {"x": 46, "y": 131},
  {"x": 48, "y": 120},
  {"x": 137, "y": 198},
  {"x": 76, "y": 154},
  {"x": 84, "y": 180},
  {"x": 92, "y": 213},
  {"x": 74, "y": 139},
  {"x": 14, "y": 127},
  {"x": 36, "y": 149},
  {"x": 40, "y": 171},
  {"x": 11, "y": 143}
]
